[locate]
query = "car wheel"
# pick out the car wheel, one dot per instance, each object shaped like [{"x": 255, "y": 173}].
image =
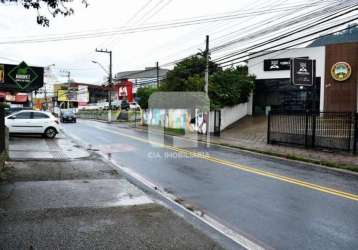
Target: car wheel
[{"x": 50, "y": 133}]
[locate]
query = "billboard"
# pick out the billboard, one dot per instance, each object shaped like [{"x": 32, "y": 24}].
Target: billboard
[
  {"x": 62, "y": 95},
  {"x": 83, "y": 94},
  {"x": 21, "y": 77}
]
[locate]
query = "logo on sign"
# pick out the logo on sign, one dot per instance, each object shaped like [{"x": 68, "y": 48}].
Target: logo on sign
[
  {"x": 23, "y": 75},
  {"x": 303, "y": 69},
  {"x": 274, "y": 64},
  {"x": 341, "y": 71}
]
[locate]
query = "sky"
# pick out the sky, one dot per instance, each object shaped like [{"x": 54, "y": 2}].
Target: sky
[{"x": 130, "y": 51}]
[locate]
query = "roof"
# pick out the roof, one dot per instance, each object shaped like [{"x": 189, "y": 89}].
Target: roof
[
  {"x": 348, "y": 36},
  {"x": 141, "y": 74}
]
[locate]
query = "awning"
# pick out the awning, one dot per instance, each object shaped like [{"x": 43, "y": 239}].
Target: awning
[{"x": 21, "y": 98}]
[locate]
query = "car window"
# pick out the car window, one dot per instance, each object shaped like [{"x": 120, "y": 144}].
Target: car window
[
  {"x": 40, "y": 116},
  {"x": 23, "y": 115}
]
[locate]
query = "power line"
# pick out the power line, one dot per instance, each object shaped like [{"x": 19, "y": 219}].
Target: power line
[
  {"x": 263, "y": 53},
  {"x": 293, "y": 32},
  {"x": 279, "y": 25},
  {"x": 149, "y": 27}
]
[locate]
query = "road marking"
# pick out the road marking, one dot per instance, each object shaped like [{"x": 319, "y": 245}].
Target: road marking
[
  {"x": 211, "y": 222},
  {"x": 245, "y": 168},
  {"x": 238, "y": 238}
]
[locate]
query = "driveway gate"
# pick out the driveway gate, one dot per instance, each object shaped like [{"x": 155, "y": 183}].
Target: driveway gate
[{"x": 331, "y": 130}]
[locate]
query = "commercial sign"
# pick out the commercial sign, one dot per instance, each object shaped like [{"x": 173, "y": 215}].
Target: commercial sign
[
  {"x": 277, "y": 64},
  {"x": 302, "y": 72},
  {"x": 21, "y": 77},
  {"x": 62, "y": 95},
  {"x": 125, "y": 91},
  {"x": 83, "y": 94},
  {"x": 341, "y": 71}
]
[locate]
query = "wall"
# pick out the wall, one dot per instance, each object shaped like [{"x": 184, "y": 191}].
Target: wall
[
  {"x": 341, "y": 96},
  {"x": 256, "y": 65},
  {"x": 180, "y": 119},
  {"x": 230, "y": 115}
]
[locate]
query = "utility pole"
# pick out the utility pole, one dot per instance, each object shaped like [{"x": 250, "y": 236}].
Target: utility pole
[
  {"x": 157, "y": 65},
  {"x": 68, "y": 75},
  {"x": 207, "y": 55},
  {"x": 110, "y": 82}
]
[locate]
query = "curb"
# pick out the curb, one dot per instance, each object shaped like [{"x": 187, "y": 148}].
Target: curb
[{"x": 270, "y": 155}]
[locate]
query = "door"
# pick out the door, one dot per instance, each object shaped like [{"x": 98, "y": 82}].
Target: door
[
  {"x": 19, "y": 123},
  {"x": 39, "y": 122}
]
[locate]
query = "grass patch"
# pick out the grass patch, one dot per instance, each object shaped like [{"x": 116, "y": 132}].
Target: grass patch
[{"x": 174, "y": 131}]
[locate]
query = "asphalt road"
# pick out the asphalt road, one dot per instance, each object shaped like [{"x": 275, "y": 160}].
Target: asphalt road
[{"x": 275, "y": 204}]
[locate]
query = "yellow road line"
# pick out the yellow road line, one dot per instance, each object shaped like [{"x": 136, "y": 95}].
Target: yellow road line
[{"x": 245, "y": 168}]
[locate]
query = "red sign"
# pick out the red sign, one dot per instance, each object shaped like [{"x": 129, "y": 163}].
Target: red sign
[{"x": 125, "y": 91}]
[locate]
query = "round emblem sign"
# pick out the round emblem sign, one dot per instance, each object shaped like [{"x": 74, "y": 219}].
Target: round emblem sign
[{"x": 341, "y": 71}]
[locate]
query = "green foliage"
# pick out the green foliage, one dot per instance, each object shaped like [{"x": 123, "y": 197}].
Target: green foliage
[
  {"x": 230, "y": 87},
  {"x": 226, "y": 87},
  {"x": 55, "y": 7},
  {"x": 144, "y": 93},
  {"x": 188, "y": 75},
  {"x": 4, "y": 105}
]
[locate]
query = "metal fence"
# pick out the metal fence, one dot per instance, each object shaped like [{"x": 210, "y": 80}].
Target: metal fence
[{"x": 326, "y": 130}]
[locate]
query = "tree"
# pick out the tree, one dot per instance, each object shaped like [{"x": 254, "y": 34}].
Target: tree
[
  {"x": 55, "y": 7},
  {"x": 226, "y": 87},
  {"x": 230, "y": 87},
  {"x": 188, "y": 75},
  {"x": 144, "y": 94}
]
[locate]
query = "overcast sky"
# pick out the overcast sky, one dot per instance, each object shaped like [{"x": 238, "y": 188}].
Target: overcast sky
[{"x": 132, "y": 51}]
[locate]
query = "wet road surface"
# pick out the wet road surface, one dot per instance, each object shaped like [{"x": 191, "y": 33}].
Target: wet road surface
[{"x": 272, "y": 203}]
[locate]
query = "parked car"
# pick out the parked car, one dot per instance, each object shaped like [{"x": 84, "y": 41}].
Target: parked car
[
  {"x": 134, "y": 105},
  {"x": 12, "y": 110},
  {"x": 33, "y": 122},
  {"x": 124, "y": 105},
  {"x": 68, "y": 116}
]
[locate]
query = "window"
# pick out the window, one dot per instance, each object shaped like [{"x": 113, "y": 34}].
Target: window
[
  {"x": 40, "y": 116},
  {"x": 23, "y": 115}
]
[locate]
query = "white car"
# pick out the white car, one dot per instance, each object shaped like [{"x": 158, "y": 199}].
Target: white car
[
  {"x": 33, "y": 122},
  {"x": 134, "y": 105}
]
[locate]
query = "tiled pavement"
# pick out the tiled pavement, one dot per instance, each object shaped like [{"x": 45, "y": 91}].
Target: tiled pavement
[{"x": 59, "y": 148}]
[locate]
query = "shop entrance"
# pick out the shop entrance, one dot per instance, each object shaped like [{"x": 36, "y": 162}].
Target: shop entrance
[{"x": 280, "y": 94}]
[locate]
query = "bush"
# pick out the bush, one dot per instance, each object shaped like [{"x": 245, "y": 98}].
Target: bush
[{"x": 230, "y": 87}]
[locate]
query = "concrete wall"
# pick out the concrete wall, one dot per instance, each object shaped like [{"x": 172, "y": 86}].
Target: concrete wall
[
  {"x": 256, "y": 65},
  {"x": 230, "y": 115}
]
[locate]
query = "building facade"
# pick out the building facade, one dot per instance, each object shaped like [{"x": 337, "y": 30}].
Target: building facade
[{"x": 336, "y": 80}]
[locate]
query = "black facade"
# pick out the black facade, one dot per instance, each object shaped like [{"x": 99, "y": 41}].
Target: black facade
[{"x": 280, "y": 94}]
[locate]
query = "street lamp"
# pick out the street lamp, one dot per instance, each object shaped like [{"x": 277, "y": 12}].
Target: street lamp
[{"x": 102, "y": 67}]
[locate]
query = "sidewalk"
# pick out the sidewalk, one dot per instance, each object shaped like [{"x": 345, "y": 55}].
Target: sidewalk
[{"x": 60, "y": 196}]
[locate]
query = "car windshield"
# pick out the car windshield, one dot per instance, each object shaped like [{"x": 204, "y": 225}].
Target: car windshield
[{"x": 68, "y": 113}]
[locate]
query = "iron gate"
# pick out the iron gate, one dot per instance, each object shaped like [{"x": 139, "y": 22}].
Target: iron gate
[{"x": 331, "y": 130}]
